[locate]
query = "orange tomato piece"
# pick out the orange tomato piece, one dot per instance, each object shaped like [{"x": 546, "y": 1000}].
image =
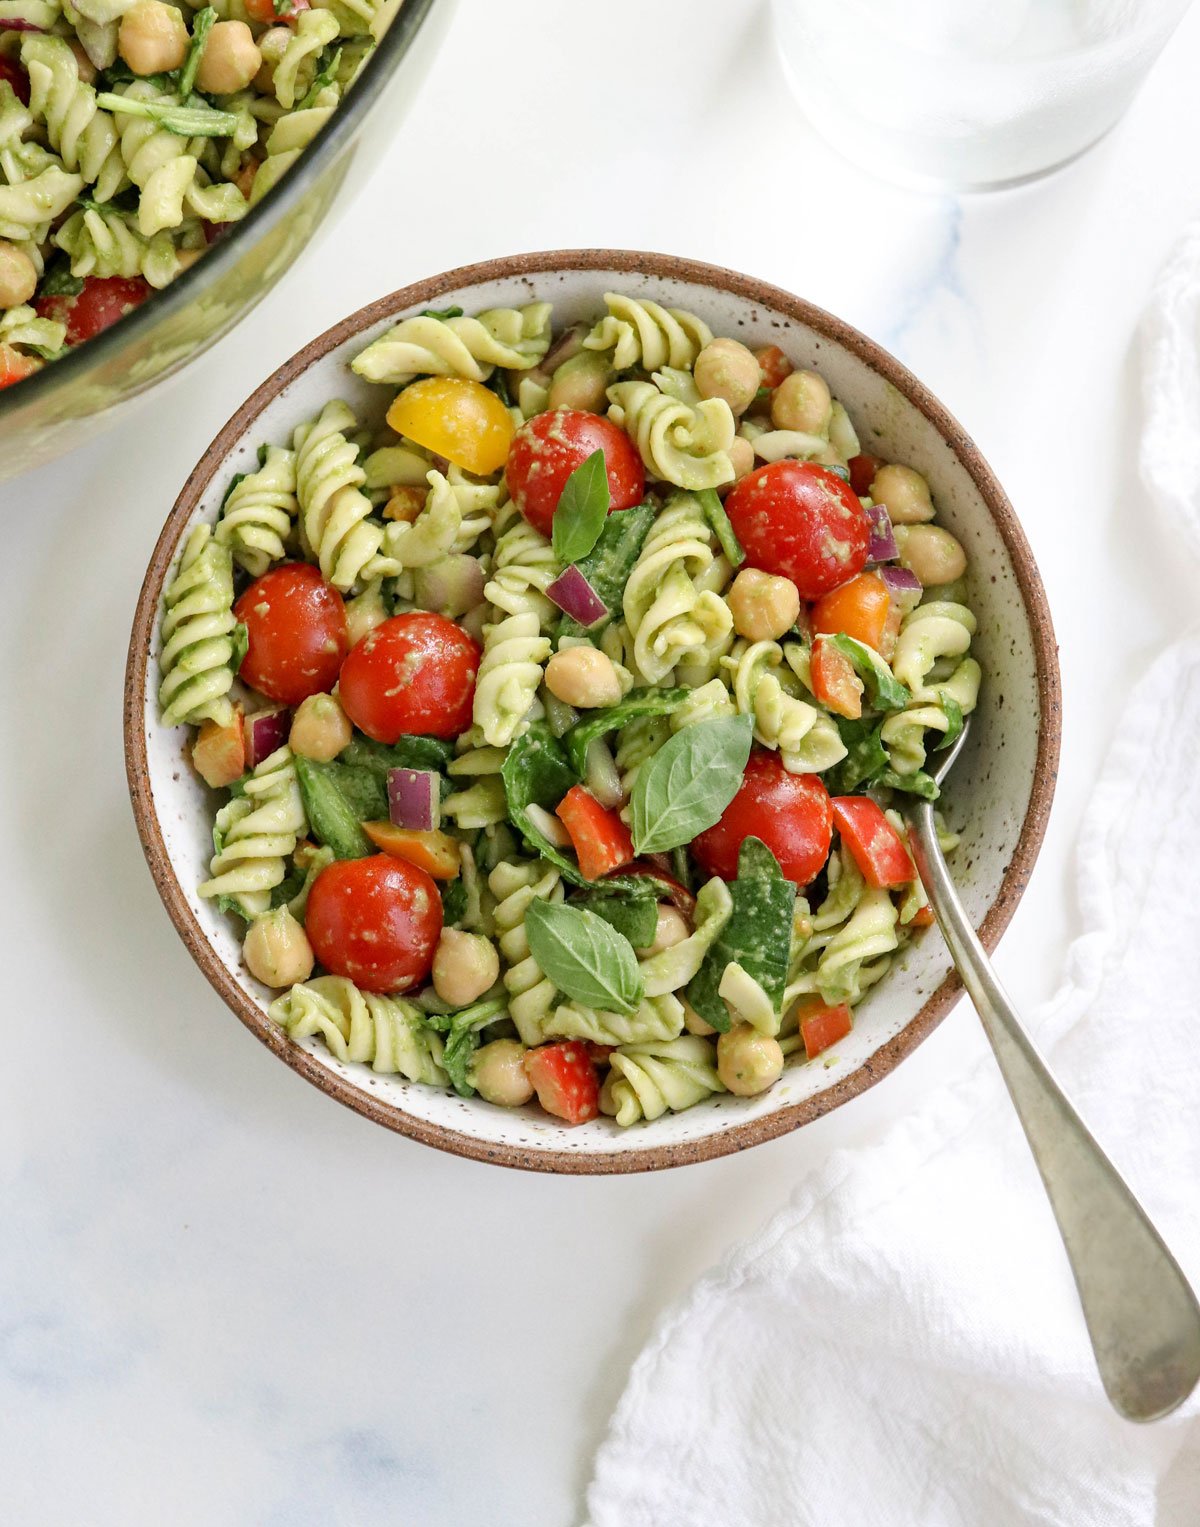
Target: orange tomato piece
[
  {"x": 834, "y": 681},
  {"x": 455, "y": 418},
  {"x": 859, "y": 608},
  {"x": 14, "y": 366},
  {"x": 219, "y": 752},
  {"x": 822, "y": 1026},
  {"x": 434, "y": 852}
]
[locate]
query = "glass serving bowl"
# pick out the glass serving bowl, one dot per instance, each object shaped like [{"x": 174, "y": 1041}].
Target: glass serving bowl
[{"x": 93, "y": 386}]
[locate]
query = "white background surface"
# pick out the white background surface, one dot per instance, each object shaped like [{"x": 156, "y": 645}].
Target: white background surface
[{"x": 223, "y": 1299}]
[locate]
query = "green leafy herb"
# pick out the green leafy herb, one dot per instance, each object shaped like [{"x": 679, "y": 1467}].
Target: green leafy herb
[
  {"x": 917, "y": 783},
  {"x": 325, "y": 76},
  {"x": 498, "y": 382},
  {"x": 757, "y": 935},
  {"x": 363, "y": 789},
  {"x": 598, "y": 723},
  {"x": 59, "y": 282},
  {"x": 585, "y": 956},
  {"x": 462, "y": 1037},
  {"x": 688, "y": 783},
  {"x": 865, "y": 754},
  {"x": 185, "y": 121},
  {"x": 454, "y": 902},
  {"x": 202, "y": 25},
  {"x": 608, "y": 566},
  {"x": 884, "y": 689},
  {"x": 714, "y": 513},
  {"x": 330, "y": 815},
  {"x": 582, "y": 509},
  {"x": 838, "y": 471},
  {"x": 954, "y": 720},
  {"x": 240, "y": 640},
  {"x": 407, "y": 753},
  {"x": 442, "y": 313},
  {"x": 634, "y": 917},
  {"x": 239, "y": 477}
]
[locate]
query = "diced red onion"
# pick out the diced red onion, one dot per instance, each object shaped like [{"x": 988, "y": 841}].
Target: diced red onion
[
  {"x": 882, "y": 545},
  {"x": 266, "y": 732},
  {"x": 568, "y": 343},
  {"x": 900, "y": 581},
  {"x": 440, "y": 463},
  {"x": 15, "y": 24},
  {"x": 576, "y": 597},
  {"x": 413, "y": 798}
]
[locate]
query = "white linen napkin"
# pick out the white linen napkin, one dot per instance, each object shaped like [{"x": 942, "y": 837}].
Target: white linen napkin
[{"x": 881, "y": 1353}]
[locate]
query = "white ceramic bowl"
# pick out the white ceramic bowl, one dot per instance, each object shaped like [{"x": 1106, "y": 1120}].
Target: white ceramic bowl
[{"x": 998, "y": 796}]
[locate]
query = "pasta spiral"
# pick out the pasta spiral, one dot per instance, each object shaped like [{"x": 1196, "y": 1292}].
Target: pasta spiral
[
  {"x": 85, "y": 136},
  {"x": 530, "y": 995},
  {"x": 105, "y": 242},
  {"x": 334, "y": 514},
  {"x": 849, "y": 940},
  {"x": 669, "y": 618},
  {"x": 386, "y": 1033},
  {"x": 682, "y": 444},
  {"x": 648, "y": 1080},
  {"x": 22, "y": 327},
  {"x": 255, "y": 833},
  {"x": 30, "y": 204},
  {"x": 656, "y": 1019},
  {"x": 295, "y": 67},
  {"x": 288, "y": 139},
  {"x": 198, "y": 627},
  {"x": 256, "y": 518},
  {"x": 514, "y": 646},
  {"x": 516, "y": 338},
  {"x": 940, "y": 629},
  {"x": 805, "y": 738},
  {"x": 903, "y": 734},
  {"x": 481, "y": 801},
  {"x": 166, "y": 170},
  {"x": 640, "y": 333}
]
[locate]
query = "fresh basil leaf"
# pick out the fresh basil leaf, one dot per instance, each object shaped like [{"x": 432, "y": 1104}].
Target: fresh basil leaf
[
  {"x": 598, "y": 723},
  {"x": 585, "y": 957},
  {"x": 714, "y": 513},
  {"x": 240, "y": 640},
  {"x": 954, "y": 720},
  {"x": 608, "y": 566},
  {"x": 202, "y": 24},
  {"x": 917, "y": 783},
  {"x": 59, "y": 282},
  {"x": 582, "y": 509},
  {"x": 454, "y": 902},
  {"x": 758, "y": 935},
  {"x": 688, "y": 783},
  {"x": 884, "y": 689},
  {"x": 634, "y": 917},
  {"x": 442, "y": 313},
  {"x": 185, "y": 121}
]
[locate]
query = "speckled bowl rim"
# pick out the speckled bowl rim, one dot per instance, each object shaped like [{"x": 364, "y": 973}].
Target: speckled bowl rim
[{"x": 737, "y": 1137}]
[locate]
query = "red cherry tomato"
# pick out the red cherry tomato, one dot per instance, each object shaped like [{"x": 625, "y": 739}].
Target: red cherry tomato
[
  {"x": 375, "y": 921},
  {"x": 834, "y": 681},
  {"x": 601, "y": 840},
  {"x": 564, "y": 1080},
  {"x": 801, "y": 521},
  {"x": 296, "y": 623},
  {"x": 874, "y": 844},
  {"x": 788, "y": 812},
  {"x": 97, "y": 307},
  {"x": 15, "y": 367},
  {"x": 548, "y": 448},
  {"x": 12, "y": 73},
  {"x": 862, "y": 473},
  {"x": 412, "y": 675},
  {"x": 822, "y": 1026}
]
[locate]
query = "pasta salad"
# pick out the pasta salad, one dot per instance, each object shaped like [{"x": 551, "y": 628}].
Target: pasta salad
[
  {"x": 560, "y": 719},
  {"x": 133, "y": 133}
]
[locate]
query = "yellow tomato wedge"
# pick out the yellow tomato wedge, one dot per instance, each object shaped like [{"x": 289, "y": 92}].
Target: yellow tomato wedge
[
  {"x": 434, "y": 852},
  {"x": 455, "y": 418}
]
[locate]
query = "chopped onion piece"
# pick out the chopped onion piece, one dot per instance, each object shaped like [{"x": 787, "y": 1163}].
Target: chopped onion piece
[
  {"x": 882, "y": 545},
  {"x": 901, "y": 580},
  {"x": 576, "y": 597},
  {"x": 266, "y": 732},
  {"x": 414, "y": 799},
  {"x": 15, "y": 24}
]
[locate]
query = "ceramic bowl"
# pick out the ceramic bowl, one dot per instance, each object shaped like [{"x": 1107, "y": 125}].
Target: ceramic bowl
[
  {"x": 998, "y": 797},
  {"x": 94, "y": 386}
]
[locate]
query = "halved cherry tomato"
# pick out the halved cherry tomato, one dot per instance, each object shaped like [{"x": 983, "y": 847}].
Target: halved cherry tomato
[
  {"x": 859, "y": 608},
  {"x": 15, "y": 367},
  {"x": 862, "y": 473},
  {"x": 436, "y": 853},
  {"x": 801, "y": 521},
  {"x": 822, "y": 1026},
  {"x": 788, "y": 812},
  {"x": 219, "y": 752},
  {"x": 874, "y": 844},
  {"x": 296, "y": 623},
  {"x": 773, "y": 364},
  {"x": 548, "y": 448},
  {"x": 834, "y": 681},
  {"x": 452, "y": 416},
  {"x": 600, "y": 838},
  {"x": 12, "y": 73},
  {"x": 375, "y": 921},
  {"x": 103, "y": 300},
  {"x": 268, "y": 11},
  {"x": 564, "y": 1080},
  {"x": 412, "y": 675}
]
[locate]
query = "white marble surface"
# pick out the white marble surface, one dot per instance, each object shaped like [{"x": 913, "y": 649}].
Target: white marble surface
[{"x": 222, "y": 1298}]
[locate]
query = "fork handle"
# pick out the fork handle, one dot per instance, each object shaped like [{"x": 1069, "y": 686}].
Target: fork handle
[{"x": 1142, "y": 1316}]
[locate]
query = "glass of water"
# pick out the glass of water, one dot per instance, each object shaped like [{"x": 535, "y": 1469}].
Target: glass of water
[{"x": 968, "y": 94}]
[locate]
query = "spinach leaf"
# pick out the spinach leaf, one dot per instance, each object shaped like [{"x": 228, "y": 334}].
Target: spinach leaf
[
  {"x": 714, "y": 513},
  {"x": 462, "y": 1037},
  {"x": 634, "y": 917},
  {"x": 581, "y": 510},
  {"x": 202, "y": 24},
  {"x": 185, "y": 121},
  {"x": 407, "y": 753},
  {"x": 441, "y": 313},
  {"x": 865, "y": 756},
  {"x": 362, "y": 789},
  {"x": 608, "y": 566},
  {"x": 884, "y": 689},
  {"x": 240, "y": 641},
  {"x": 917, "y": 783},
  {"x": 688, "y": 783},
  {"x": 330, "y": 814},
  {"x": 59, "y": 282},
  {"x": 331, "y": 62},
  {"x": 598, "y": 723},
  {"x": 584, "y": 956},
  {"x": 954, "y": 719},
  {"x": 758, "y": 935},
  {"x": 454, "y": 902}
]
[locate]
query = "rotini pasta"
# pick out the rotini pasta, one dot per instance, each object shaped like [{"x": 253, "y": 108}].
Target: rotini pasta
[
  {"x": 641, "y": 333},
  {"x": 683, "y": 444},
  {"x": 385, "y": 1033},
  {"x": 515, "y": 338},
  {"x": 255, "y": 834},
  {"x": 199, "y": 648},
  {"x": 259, "y": 512},
  {"x": 647, "y": 1080}
]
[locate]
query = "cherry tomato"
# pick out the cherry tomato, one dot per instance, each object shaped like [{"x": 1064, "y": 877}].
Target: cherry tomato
[
  {"x": 564, "y": 1080},
  {"x": 601, "y": 840},
  {"x": 296, "y": 623},
  {"x": 874, "y": 844},
  {"x": 788, "y": 812},
  {"x": 774, "y": 365},
  {"x": 456, "y": 418},
  {"x": 822, "y": 1026},
  {"x": 376, "y": 921},
  {"x": 97, "y": 307},
  {"x": 15, "y": 367},
  {"x": 859, "y": 608},
  {"x": 414, "y": 675},
  {"x": 834, "y": 681},
  {"x": 12, "y": 73},
  {"x": 549, "y": 447},
  {"x": 862, "y": 473},
  {"x": 275, "y": 11},
  {"x": 801, "y": 521}
]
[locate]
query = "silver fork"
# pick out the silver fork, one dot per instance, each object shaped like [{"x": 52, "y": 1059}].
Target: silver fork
[{"x": 1142, "y": 1316}]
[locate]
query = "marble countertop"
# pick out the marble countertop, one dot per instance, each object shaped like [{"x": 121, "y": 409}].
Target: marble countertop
[{"x": 222, "y": 1298}]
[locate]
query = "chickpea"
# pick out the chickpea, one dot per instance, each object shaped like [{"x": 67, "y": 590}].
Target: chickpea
[
  {"x": 726, "y": 369},
  {"x": 693, "y": 1022},
  {"x": 671, "y": 929},
  {"x": 584, "y": 677},
  {"x": 230, "y": 59},
  {"x": 764, "y": 606},
  {"x": 276, "y": 949},
  {"x": 271, "y": 46},
  {"x": 320, "y": 729},
  {"x": 497, "y": 1072},
  {"x": 802, "y": 401},
  {"x": 18, "y": 276},
  {"x": 153, "y": 38},
  {"x": 741, "y": 456},
  {"x": 903, "y": 493},
  {"x": 930, "y": 552},
  {"x": 464, "y": 967},
  {"x": 580, "y": 383},
  {"x": 748, "y": 1062}
]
